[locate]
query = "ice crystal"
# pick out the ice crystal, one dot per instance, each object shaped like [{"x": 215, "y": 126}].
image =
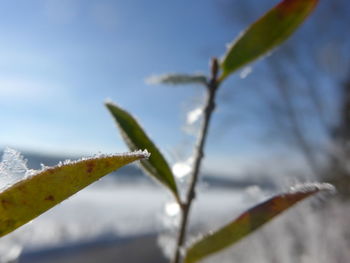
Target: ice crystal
[
  {"x": 194, "y": 115},
  {"x": 13, "y": 168},
  {"x": 245, "y": 72},
  {"x": 309, "y": 187},
  {"x": 172, "y": 209},
  {"x": 140, "y": 153}
]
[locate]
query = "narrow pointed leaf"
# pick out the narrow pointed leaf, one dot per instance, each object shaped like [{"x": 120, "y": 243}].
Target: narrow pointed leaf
[
  {"x": 178, "y": 79},
  {"x": 249, "y": 221},
  {"x": 32, "y": 196},
  {"x": 266, "y": 33},
  {"x": 135, "y": 137}
]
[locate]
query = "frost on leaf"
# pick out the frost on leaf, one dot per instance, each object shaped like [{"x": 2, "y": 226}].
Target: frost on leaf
[
  {"x": 13, "y": 168},
  {"x": 251, "y": 220},
  {"x": 29, "y": 193},
  {"x": 312, "y": 187}
]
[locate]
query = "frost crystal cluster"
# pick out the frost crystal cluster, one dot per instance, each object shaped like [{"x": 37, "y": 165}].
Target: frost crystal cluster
[{"x": 13, "y": 168}]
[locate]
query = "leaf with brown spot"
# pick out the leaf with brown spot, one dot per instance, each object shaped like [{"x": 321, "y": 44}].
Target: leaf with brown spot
[
  {"x": 50, "y": 198},
  {"x": 90, "y": 166},
  {"x": 34, "y": 195},
  {"x": 249, "y": 221}
]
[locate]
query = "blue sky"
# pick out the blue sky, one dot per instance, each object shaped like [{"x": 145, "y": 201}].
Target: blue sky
[{"x": 61, "y": 59}]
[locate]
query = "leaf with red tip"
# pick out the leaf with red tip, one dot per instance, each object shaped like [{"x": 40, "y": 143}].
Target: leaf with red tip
[
  {"x": 250, "y": 221},
  {"x": 266, "y": 33}
]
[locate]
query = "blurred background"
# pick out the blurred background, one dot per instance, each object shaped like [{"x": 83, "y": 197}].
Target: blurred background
[{"x": 282, "y": 121}]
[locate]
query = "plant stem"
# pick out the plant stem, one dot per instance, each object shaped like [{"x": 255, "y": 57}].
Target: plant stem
[{"x": 212, "y": 87}]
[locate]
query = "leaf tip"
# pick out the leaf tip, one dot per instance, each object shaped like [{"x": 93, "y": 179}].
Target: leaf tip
[
  {"x": 312, "y": 188},
  {"x": 108, "y": 102},
  {"x": 143, "y": 154},
  {"x": 288, "y": 6}
]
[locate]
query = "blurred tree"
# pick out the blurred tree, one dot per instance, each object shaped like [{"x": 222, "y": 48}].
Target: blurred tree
[{"x": 308, "y": 106}]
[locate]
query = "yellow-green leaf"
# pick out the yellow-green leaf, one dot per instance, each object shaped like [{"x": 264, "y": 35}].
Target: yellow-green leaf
[
  {"x": 136, "y": 138},
  {"x": 250, "y": 221},
  {"x": 41, "y": 191},
  {"x": 266, "y": 33}
]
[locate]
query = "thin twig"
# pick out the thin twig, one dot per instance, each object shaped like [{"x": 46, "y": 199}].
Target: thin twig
[{"x": 212, "y": 87}]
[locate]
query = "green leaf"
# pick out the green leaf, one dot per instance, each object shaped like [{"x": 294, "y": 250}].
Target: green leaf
[
  {"x": 135, "y": 137},
  {"x": 178, "y": 79},
  {"x": 266, "y": 33},
  {"x": 41, "y": 191},
  {"x": 250, "y": 221}
]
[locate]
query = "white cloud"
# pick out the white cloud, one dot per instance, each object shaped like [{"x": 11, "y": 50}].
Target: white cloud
[{"x": 19, "y": 89}]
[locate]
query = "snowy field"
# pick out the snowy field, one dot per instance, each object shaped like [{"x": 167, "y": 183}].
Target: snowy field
[
  {"x": 109, "y": 220},
  {"x": 127, "y": 218}
]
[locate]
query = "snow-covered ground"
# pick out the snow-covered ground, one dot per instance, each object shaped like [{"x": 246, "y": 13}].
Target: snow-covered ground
[
  {"x": 106, "y": 209},
  {"x": 139, "y": 214}
]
